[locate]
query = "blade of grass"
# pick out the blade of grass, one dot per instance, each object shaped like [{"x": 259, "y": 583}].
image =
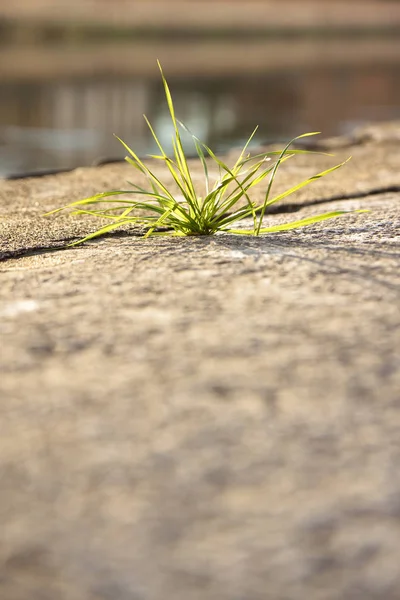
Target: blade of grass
[
  {"x": 296, "y": 224},
  {"x": 274, "y": 171},
  {"x": 100, "y": 232},
  {"x": 179, "y": 176},
  {"x": 200, "y": 154},
  {"x": 306, "y": 182},
  {"x": 178, "y": 147}
]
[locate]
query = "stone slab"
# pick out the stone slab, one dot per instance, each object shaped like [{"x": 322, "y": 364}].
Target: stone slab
[{"x": 210, "y": 418}]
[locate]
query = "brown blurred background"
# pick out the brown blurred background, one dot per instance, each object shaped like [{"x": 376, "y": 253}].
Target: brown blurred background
[{"x": 73, "y": 72}]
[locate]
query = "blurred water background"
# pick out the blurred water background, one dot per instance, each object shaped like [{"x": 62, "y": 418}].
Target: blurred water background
[{"x": 73, "y": 73}]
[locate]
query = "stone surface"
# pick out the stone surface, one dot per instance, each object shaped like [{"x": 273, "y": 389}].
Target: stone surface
[{"x": 206, "y": 418}]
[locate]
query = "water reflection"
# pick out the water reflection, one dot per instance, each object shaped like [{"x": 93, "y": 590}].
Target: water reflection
[{"x": 68, "y": 122}]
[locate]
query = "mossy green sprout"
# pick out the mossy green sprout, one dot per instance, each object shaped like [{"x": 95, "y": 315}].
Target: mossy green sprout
[{"x": 160, "y": 211}]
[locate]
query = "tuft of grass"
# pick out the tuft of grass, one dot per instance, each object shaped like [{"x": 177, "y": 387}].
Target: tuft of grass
[{"x": 224, "y": 203}]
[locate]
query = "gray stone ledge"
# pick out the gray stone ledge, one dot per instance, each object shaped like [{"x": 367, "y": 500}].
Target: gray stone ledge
[{"x": 206, "y": 418}]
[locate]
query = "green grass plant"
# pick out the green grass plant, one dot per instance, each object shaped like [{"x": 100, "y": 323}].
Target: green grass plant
[{"x": 224, "y": 203}]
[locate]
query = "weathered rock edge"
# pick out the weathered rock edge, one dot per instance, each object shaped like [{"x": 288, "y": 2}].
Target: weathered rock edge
[{"x": 202, "y": 419}]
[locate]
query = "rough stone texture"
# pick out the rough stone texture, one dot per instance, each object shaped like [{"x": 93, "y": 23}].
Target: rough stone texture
[{"x": 206, "y": 418}]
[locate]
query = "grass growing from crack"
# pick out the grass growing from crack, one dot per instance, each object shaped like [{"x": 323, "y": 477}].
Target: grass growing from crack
[{"x": 224, "y": 203}]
